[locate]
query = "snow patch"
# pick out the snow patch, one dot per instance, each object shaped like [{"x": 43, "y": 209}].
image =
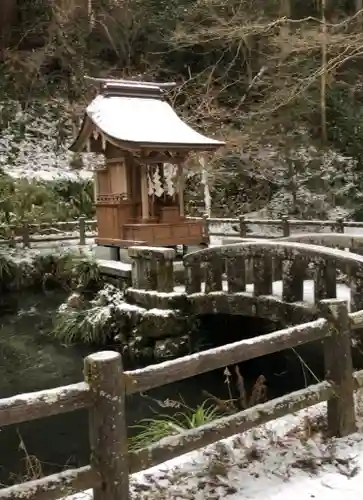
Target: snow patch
[
  {"x": 34, "y": 142},
  {"x": 283, "y": 459}
]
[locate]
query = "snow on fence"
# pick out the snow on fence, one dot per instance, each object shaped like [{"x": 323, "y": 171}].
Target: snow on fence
[
  {"x": 217, "y": 227},
  {"x": 106, "y": 386},
  {"x": 213, "y": 227},
  {"x": 78, "y": 230}
]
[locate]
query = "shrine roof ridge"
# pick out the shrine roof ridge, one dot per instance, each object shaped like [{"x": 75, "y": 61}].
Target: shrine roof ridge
[
  {"x": 129, "y": 90},
  {"x": 121, "y": 85}
]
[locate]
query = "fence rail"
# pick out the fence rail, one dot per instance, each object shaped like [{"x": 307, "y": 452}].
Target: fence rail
[
  {"x": 106, "y": 385},
  {"x": 36, "y": 233},
  {"x": 51, "y": 232},
  {"x": 285, "y": 225}
]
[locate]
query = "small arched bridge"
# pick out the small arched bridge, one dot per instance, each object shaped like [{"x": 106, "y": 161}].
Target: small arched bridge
[{"x": 282, "y": 281}]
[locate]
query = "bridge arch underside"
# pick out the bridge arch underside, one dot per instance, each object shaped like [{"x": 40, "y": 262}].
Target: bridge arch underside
[
  {"x": 222, "y": 318},
  {"x": 267, "y": 307}
]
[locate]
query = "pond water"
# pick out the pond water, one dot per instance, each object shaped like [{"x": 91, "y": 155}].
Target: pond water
[{"x": 31, "y": 361}]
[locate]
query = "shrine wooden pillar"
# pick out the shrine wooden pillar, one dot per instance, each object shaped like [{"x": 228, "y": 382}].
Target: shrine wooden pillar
[
  {"x": 95, "y": 186},
  {"x": 181, "y": 189},
  {"x": 144, "y": 193}
]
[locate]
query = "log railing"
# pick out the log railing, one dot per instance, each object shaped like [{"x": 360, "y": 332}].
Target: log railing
[
  {"x": 106, "y": 386},
  {"x": 285, "y": 225},
  {"x": 55, "y": 231},
  {"x": 27, "y": 234}
]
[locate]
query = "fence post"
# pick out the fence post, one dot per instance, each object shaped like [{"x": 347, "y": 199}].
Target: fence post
[
  {"x": 107, "y": 424},
  {"x": 82, "y": 230},
  {"x": 12, "y": 239},
  {"x": 26, "y": 235},
  {"x": 138, "y": 271},
  {"x": 285, "y": 226},
  {"x": 339, "y": 367},
  {"x": 165, "y": 265},
  {"x": 242, "y": 226},
  {"x": 206, "y": 228},
  {"x": 339, "y": 225}
]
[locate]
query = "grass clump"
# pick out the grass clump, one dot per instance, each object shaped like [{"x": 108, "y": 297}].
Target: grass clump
[
  {"x": 11, "y": 274},
  {"x": 68, "y": 270},
  {"x": 151, "y": 430},
  {"x": 92, "y": 321},
  {"x": 87, "y": 326}
]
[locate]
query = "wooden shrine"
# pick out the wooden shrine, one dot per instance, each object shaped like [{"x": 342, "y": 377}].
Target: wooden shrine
[{"x": 139, "y": 189}]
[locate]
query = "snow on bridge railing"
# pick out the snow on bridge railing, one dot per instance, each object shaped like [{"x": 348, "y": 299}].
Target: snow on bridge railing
[
  {"x": 106, "y": 385},
  {"x": 205, "y": 270},
  {"x": 224, "y": 269}
]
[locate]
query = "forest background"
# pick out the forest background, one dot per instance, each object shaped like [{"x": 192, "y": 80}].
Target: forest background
[{"x": 278, "y": 80}]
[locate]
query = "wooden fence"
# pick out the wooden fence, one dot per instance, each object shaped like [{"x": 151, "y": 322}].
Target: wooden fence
[
  {"x": 55, "y": 231},
  {"x": 106, "y": 386},
  {"x": 285, "y": 225},
  {"x": 78, "y": 230}
]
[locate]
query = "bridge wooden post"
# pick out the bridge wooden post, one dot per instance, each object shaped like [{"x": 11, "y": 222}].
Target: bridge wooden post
[
  {"x": 107, "y": 424},
  {"x": 293, "y": 274},
  {"x": 325, "y": 280},
  {"x": 165, "y": 269},
  {"x": 192, "y": 277},
  {"x": 262, "y": 275},
  {"x": 356, "y": 286},
  {"x": 339, "y": 367},
  {"x": 138, "y": 271},
  {"x": 152, "y": 268}
]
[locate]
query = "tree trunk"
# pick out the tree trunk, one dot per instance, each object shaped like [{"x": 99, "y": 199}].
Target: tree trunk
[
  {"x": 285, "y": 11},
  {"x": 8, "y": 11},
  {"x": 323, "y": 72},
  {"x": 359, "y": 7}
]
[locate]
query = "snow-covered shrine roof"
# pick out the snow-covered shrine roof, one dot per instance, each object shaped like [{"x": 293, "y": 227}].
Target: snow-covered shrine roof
[{"x": 135, "y": 115}]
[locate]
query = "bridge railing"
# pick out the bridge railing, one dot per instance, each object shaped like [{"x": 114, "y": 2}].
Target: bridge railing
[
  {"x": 225, "y": 269},
  {"x": 106, "y": 387},
  {"x": 205, "y": 270}
]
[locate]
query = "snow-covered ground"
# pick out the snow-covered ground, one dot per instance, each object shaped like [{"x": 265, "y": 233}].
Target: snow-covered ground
[
  {"x": 55, "y": 247},
  {"x": 285, "y": 459}
]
